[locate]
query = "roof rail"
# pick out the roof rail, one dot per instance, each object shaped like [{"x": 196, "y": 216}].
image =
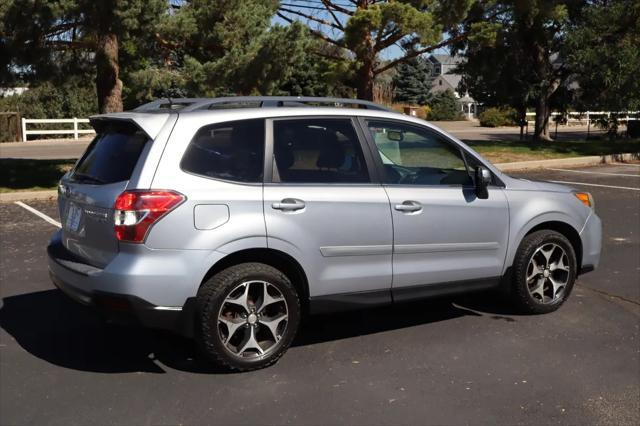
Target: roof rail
[{"x": 195, "y": 104}]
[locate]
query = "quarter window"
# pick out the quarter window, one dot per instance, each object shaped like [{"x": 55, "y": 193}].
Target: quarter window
[
  {"x": 417, "y": 156},
  {"x": 231, "y": 151},
  {"x": 318, "y": 151}
]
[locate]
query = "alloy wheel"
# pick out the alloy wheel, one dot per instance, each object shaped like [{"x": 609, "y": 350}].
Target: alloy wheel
[
  {"x": 548, "y": 273},
  {"x": 253, "y": 319}
]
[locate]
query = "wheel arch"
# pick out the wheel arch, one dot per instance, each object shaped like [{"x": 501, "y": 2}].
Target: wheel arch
[
  {"x": 567, "y": 230},
  {"x": 272, "y": 257}
]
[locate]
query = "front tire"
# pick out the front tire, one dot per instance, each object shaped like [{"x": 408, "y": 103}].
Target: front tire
[
  {"x": 544, "y": 272},
  {"x": 248, "y": 315}
]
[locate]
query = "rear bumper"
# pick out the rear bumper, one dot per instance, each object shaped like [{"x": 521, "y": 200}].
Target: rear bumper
[
  {"x": 131, "y": 310},
  {"x": 591, "y": 236},
  {"x": 131, "y": 289}
]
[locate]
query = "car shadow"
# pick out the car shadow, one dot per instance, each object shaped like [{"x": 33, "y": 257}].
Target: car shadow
[{"x": 53, "y": 328}]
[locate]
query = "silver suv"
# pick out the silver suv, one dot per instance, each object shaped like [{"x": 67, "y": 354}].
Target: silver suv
[{"x": 228, "y": 219}]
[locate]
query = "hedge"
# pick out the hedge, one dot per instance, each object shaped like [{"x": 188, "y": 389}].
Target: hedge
[
  {"x": 496, "y": 117},
  {"x": 53, "y": 101}
]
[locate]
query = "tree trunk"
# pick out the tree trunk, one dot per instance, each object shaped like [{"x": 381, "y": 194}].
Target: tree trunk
[
  {"x": 541, "y": 131},
  {"x": 522, "y": 120},
  {"x": 365, "y": 81},
  {"x": 108, "y": 85},
  {"x": 366, "y": 56}
]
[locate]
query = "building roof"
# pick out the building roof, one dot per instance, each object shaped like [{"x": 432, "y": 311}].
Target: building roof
[
  {"x": 446, "y": 59},
  {"x": 452, "y": 79},
  {"x": 466, "y": 99}
]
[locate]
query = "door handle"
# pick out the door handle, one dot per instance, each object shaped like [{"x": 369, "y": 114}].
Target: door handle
[
  {"x": 289, "y": 204},
  {"x": 408, "y": 207}
]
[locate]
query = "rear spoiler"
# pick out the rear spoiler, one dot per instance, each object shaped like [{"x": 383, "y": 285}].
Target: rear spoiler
[{"x": 151, "y": 124}]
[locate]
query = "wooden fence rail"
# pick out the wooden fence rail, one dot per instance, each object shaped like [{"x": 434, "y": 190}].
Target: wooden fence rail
[
  {"x": 75, "y": 131},
  {"x": 587, "y": 117}
]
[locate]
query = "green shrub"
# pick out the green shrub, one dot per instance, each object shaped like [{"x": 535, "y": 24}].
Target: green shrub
[
  {"x": 445, "y": 107},
  {"x": 69, "y": 100},
  {"x": 424, "y": 112},
  {"x": 496, "y": 117}
]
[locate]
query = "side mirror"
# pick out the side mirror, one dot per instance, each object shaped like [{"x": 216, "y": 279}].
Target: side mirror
[{"x": 482, "y": 181}]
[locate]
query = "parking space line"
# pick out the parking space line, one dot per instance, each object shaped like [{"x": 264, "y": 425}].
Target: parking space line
[
  {"x": 39, "y": 214},
  {"x": 593, "y": 173},
  {"x": 595, "y": 184}
]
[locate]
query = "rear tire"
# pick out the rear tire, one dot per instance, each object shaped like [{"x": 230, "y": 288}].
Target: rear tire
[
  {"x": 544, "y": 272},
  {"x": 247, "y": 316}
]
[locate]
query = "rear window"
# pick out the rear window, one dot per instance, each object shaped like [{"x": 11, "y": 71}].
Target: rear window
[
  {"x": 112, "y": 155},
  {"x": 230, "y": 151}
]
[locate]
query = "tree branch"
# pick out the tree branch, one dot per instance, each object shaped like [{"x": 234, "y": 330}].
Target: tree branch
[
  {"x": 342, "y": 9},
  {"x": 310, "y": 17},
  {"x": 329, "y": 55},
  {"x": 60, "y": 29},
  {"x": 335, "y": 18},
  {"x": 390, "y": 39},
  {"x": 316, "y": 33},
  {"x": 419, "y": 52},
  {"x": 68, "y": 45}
]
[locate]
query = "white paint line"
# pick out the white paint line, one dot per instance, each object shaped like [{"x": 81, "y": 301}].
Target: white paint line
[
  {"x": 39, "y": 213},
  {"x": 595, "y": 184},
  {"x": 593, "y": 173}
]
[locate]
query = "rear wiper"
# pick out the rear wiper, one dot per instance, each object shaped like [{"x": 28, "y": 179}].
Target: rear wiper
[{"x": 86, "y": 178}]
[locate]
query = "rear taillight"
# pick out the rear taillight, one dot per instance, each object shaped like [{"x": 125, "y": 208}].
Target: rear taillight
[{"x": 137, "y": 211}]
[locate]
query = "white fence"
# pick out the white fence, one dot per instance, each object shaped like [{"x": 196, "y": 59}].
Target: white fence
[
  {"x": 75, "y": 131},
  {"x": 580, "y": 118},
  {"x": 587, "y": 117}
]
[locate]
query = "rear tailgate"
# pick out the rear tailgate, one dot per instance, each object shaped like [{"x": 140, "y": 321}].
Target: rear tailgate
[{"x": 88, "y": 192}]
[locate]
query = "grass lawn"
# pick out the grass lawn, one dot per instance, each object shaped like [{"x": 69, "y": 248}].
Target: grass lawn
[
  {"x": 31, "y": 175},
  {"x": 501, "y": 151}
]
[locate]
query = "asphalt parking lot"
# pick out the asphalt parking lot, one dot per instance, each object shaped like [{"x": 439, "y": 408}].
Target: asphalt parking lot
[{"x": 467, "y": 360}]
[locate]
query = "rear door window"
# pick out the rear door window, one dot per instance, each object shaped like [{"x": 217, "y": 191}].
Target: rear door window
[
  {"x": 230, "y": 151},
  {"x": 318, "y": 150},
  {"x": 112, "y": 155}
]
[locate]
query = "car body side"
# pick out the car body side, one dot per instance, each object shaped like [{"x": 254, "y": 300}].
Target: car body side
[{"x": 183, "y": 248}]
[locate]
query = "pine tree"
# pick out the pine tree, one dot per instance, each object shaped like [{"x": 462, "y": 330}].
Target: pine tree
[
  {"x": 365, "y": 28},
  {"x": 445, "y": 107},
  {"x": 412, "y": 82},
  {"x": 219, "y": 48},
  {"x": 42, "y": 39}
]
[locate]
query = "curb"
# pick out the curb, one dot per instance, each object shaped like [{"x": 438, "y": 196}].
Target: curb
[
  {"x": 567, "y": 162},
  {"x": 10, "y": 197}
]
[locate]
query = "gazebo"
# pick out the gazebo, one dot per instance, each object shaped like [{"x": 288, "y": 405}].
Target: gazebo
[{"x": 468, "y": 105}]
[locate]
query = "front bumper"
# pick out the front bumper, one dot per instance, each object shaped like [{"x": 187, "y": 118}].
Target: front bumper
[
  {"x": 127, "y": 291},
  {"x": 591, "y": 236}
]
